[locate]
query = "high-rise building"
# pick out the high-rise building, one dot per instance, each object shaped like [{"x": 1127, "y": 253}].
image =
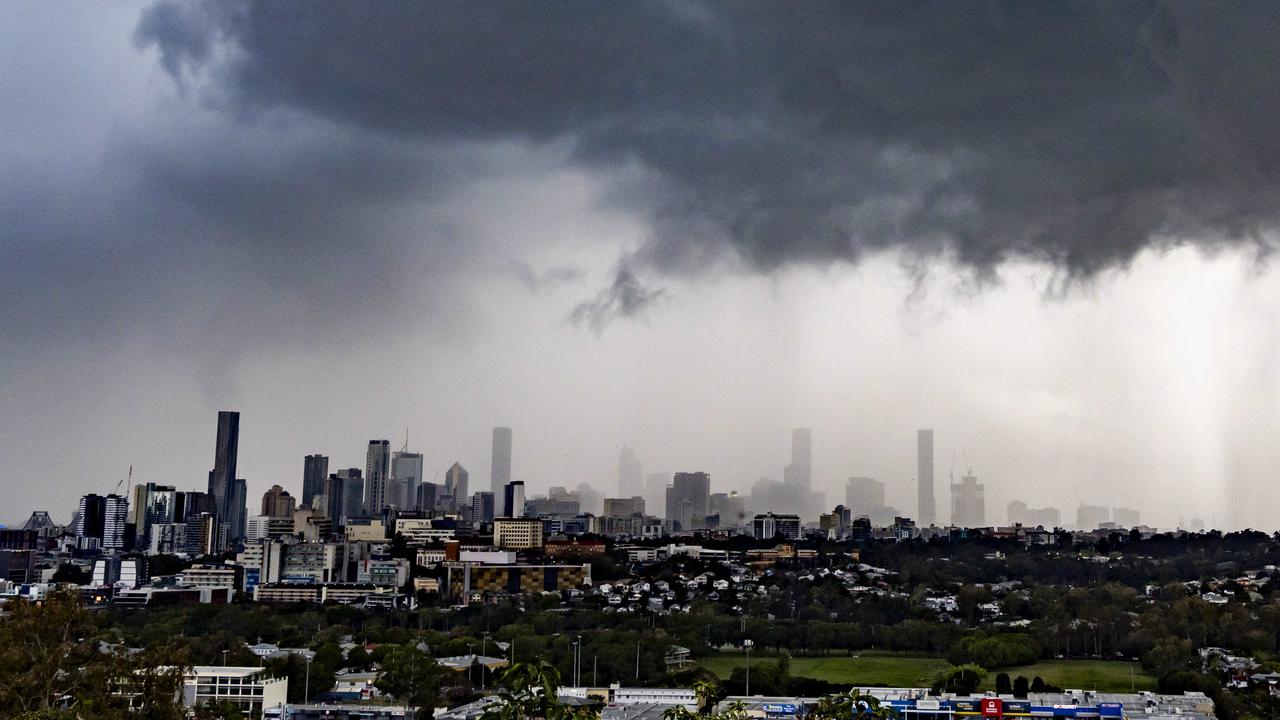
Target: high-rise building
[
  {"x": 90, "y": 516},
  {"x": 315, "y": 471},
  {"x": 455, "y": 485},
  {"x": 225, "y": 451},
  {"x": 344, "y": 491},
  {"x": 730, "y": 507},
  {"x": 500, "y": 468},
  {"x": 377, "y": 476},
  {"x": 513, "y": 499},
  {"x": 152, "y": 504},
  {"x": 1125, "y": 517},
  {"x": 624, "y": 506},
  {"x": 687, "y": 501},
  {"x": 237, "y": 510},
  {"x": 630, "y": 473},
  {"x": 277, "y": 502},
  {"x": 428, "y": 497},
  {"x": 482, "y": 510},
  {"x": 655, "y": 489},
  {"x": 968, "y": 503},
  {"x": 927, "y": 510},
  {"x": 768, "y": 526},
  {"x": 1092, "y": 517},
  {"x": 864, "y": 496},
  {"x": 800, "y": 472},
  {"x": 104, "y": 519},
  {"x": 1020, "y": 514},
  {"x": 406, "y": 472}
]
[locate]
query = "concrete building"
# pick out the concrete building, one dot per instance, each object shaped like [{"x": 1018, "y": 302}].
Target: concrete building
[
  {"x": 864, "y": 496},
  {"x": 1019, "y": 514},
  {"x": 1125, "y": 517},
  {"x": 455, "y": 487},
  {"x": 513, "y": 499},
  {"x": 377, "y": 476},
  {"x": 249, "y": 689},
  {"x": 688, "y": 499},
  {"x": 406, "y": 476},
  {"x": 769, "y": 526},
  {"x": 482, "y": 508},
  {"x": 630, "y": 473},
  {"x": 927, "y": 513},
  {"x": 315, "y": 471},
  {"x": 799, "y": 473},
  {"x": 968, "y": 503},
  {"x": 500, "y": 461},
  {"x": 1092, "y": 517},
  {"x": 518, "y": 533},
  {"x": 223, "y": 474},
  {"x": 623, "y": 507},
  {"x": 277, "y": 503},
  {"x": 464, "y": 579}
]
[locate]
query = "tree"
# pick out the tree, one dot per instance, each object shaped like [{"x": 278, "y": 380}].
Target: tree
[
  {"x": 1003, "y": 686},
  {"x": 843, "y": 706},
  {"x": 528, "y": 690},
  {"x": 46, "y": 650},
  {"x": 1021, "y": 686},
  {"x": 411, "y": 676},
  {"x": 959, "y": 679}
]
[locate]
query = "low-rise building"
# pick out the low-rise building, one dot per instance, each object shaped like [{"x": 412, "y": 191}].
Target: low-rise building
[
  {"x": 464, "y": 579},
  {"x": 518, "y": 533},
  {"x": 249, "y": 689}
]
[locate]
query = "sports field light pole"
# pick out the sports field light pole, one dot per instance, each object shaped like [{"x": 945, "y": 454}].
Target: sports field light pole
[{"x": 747, "y": 644}]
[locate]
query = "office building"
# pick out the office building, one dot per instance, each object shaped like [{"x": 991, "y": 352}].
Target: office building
[
  {"x": 513, "y": 499},
  {"x": 315, "y": 471},
  {"x": 927, "y": 510},
  {"x": 518, "y": 533},
  {"x": 500, "y": 466},
  {"x": 153, "y": 504},
  {"x": 800, "y": 472},
  {"x": 1125, "y": 517},
  {"x": 429, "y": 497},
  {"x": 250, "y": 690},
  {"x": 1020, "y": 514},
  {"x": 730, "y": 508},
  {"x": 406, "y": 476},
  {"x": 277, "y": 502},
  {"x": 687, "y": 501},
  {"x": 1092, "y": 517},
  {"x": 237, "y": 510},
  {"x": 655, "y": 489},
  {"x": 455, "y": 486},
  {"x": 482, "y": 510},
  {"x": 968, "y": 503},
  {"x": 225, "y": 451},
  {"x": 864, "y": 495},
  {"x": 623, "y": 507},
  {"x": 630, "y": 473},
  {"x": 769, "y": 526},
  {"x": 377, "y": 478},
  {"x": 89, "y": 516}
]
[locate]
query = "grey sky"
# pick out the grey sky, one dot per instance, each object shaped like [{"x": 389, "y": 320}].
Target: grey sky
[{"x": 1041, "y": 230}]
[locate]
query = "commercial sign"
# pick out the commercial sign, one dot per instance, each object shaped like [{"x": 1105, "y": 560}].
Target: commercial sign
[
  {"x": 992, "y": 707},
  {"x": 780, "y": 708}
]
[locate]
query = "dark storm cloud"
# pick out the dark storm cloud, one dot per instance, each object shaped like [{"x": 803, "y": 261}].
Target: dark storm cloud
[
  {"x": 627, "y": 297},
  {"x": 1075, "y": 134}
]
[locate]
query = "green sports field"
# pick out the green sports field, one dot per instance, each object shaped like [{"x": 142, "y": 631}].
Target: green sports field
[{"x": 909, "y": 671}]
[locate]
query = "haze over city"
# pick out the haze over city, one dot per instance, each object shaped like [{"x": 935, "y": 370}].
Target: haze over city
[{"x": 1052, "y": 248}]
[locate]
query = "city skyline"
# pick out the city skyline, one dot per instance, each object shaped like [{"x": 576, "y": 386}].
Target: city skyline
[{"x": 1051, "y": 246}]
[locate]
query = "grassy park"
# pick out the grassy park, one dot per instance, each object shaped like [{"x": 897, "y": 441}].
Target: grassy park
[{"x": 912, "y": 671}]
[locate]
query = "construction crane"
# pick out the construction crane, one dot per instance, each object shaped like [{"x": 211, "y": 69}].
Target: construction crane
[{"x": 116, "y": 490}]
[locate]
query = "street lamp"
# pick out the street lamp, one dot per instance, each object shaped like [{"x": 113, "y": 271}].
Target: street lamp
[
  {"x": 747, "y": 644},
  {"x": 577, "y": 662},
  {"x": 306, "y": 687}
]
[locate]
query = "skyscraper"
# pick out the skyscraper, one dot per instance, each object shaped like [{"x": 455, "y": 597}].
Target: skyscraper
[
  {"x": 315, "y": 470},
  {"x": 927, "y": 510},
  {"x": 800, "y": 472},
  {"x": 481, "y": 507},
  {"x": 500, "y": 470},
  {"x": 513, "y": 499},
  {"x": 864, "y": 496},
  {"x": 455, "y": 485},
  {"x": 968, "y": 503},
  {"x": 152, "y": 505},
  {"x": 277, "y": 502},
  {"x": 104, "y": 519},
  {"x": 630, "y": 473},
  {"x": 376, "y": 476},
  {"x": 687, "y": 501},
  {"x": 406, "y": 471},
  {"x": 237, "y": 510},
  {"x": 224, "y": 460}
]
